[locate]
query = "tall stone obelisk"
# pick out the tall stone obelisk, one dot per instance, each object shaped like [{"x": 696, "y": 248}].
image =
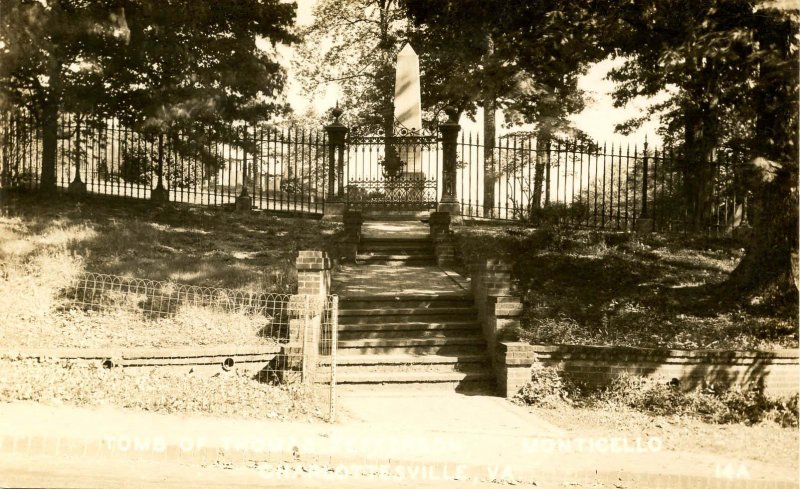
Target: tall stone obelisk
[
  {"x": 408, "y": 111},
  {"x": 407, "y": 105}
]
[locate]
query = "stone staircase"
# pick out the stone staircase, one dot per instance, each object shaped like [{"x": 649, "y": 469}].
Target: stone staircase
[{"x": 410, "y": 339}]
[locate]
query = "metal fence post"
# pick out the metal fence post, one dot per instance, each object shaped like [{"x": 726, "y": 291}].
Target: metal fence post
[
  {"x": 644, "y": 181},
  {"x": 305, "y": 368},
  {"x": 334, "y": 340}
]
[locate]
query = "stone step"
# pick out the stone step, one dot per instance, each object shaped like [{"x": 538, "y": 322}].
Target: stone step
[
  {"x": 411, "y": 342},
  {"x": 394, "y": 240},
  {"x": 409, "y": 334},
  {"x": 396, "y": 260},
  {"x": 474, "y": 387},
  {"x": 409, "y": 326},
  {"x": 408, "y": 377},
  {"x": 408, "y": 363},
  {"x": 462, "y": 345},
  {"x": 388, "y": 360},
  {"x": 405, "y": 302},
  {"x": 383, "y": 246},
  {"x": 431, "y": 317},
  {"x": 410, "y": 311}
]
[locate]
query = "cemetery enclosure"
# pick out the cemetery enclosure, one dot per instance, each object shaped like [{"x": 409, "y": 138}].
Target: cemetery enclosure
[{"x": 581, "y": 183}]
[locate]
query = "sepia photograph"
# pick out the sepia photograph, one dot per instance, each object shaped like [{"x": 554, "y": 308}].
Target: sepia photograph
[{"x": 399, "y": 244}]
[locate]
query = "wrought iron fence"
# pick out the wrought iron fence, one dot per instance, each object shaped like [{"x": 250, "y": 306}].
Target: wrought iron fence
[
  {"x": 580, "y": 183},
  {"x": 301, "y": 328},
  {"x": 283, "y": 169},
  {"x": 587, "y": 184}
]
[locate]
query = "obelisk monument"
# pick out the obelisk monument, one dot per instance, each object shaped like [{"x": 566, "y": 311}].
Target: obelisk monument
[
  {"x": 407, "y": 105},
  {"x": 408, "y": 111}
]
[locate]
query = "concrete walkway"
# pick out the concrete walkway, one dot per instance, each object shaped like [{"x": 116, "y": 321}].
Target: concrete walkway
[{"x": 391, "y": 281}]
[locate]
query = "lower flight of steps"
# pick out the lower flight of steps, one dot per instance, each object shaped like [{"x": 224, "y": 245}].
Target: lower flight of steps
[{"x": 412, "y": 340}]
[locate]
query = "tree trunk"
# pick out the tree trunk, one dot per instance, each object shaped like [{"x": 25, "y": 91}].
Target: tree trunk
[
  {"x": 50, "y": 112},
  {"x": 768, "y": 267},
  {"x": 697, "y": 174},
  {"x": 489, "y": 164},
  {"x": 49, "y": 148},
  {"x": 489, "y": 128},
  {"x": 538, "y": 174},
  {"x": 768, "y": 272}
]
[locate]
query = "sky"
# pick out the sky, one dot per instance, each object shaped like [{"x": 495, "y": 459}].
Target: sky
[{"x": 598, "y": 119}]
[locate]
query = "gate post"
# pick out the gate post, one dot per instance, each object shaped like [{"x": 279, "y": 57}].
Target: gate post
[
  {"x": 334, "y": 203},
  {"x": 306, "y": 312},
  {"x": 449, "y": 201}
]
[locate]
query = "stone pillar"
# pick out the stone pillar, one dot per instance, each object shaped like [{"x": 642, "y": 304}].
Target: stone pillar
[
  {"x": 449, "y": 201},
  {"x": 313, "y": 273},
  {"x": 335, "y": 202},
  {"x": 498, "y": 308},
  {"x": 352, "y": 233},
  {"x": 444, "y": 249},
  {"x": 305, "y": 312},
  {"x": 513, "y": 362}
]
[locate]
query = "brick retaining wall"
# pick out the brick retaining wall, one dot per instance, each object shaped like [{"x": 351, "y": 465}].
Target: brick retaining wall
[{"x": 778, "y": 371}]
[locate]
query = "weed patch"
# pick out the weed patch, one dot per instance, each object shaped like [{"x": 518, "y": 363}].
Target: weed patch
[
  {"x": 78, "y": 384},
  {"x": 747, "y": 405}
]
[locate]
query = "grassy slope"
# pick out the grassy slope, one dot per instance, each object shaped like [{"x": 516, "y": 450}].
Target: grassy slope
[
  {"x": 43, "y": 244},
  {"x": 614, "y": 289}
]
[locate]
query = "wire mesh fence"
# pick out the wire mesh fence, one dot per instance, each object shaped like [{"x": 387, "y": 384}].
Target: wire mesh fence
[{"x": 299, "y": 329}]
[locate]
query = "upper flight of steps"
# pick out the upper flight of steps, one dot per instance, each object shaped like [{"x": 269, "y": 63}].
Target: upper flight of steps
[{"x": 416, "y": 251}]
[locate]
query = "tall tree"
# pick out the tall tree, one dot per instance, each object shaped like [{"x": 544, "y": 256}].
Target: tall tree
[
  {"x": 198, "y": 69},
  {"x": 731, "y": 66},
  {"x": 697, "y": 50},
  {"x": 52, "y": 57},
  {"x": 353, "y": 44},
  {"x": 522, "y": 57},
  {"x": 152, "y": 64},
  {"x": 768, "y": 273}
]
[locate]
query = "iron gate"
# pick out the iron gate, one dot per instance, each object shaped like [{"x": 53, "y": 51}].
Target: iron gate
[{"x": 397, "y": 172}]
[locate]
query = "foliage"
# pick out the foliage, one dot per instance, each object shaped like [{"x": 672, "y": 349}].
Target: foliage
[
  {"x": 136, "y": 165},
  {"x": 551, "y": 388},
  {"x": 710, "y": 57},
  {"x": 747, "y": 404},
  {"x": 54, "y": 381},
  {"x": 353, "y": 44},
  {"x": 528, "y": 55},
  {"x": 187, "y": 66},
  {"x": 613, "y": 288},
  {"x": 546, "y": 388}
]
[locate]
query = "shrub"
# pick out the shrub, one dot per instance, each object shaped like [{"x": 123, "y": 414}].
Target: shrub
[
  {"x": 746, "y": 405},
  {"x": 546, "y": 388},
  {"x": 136, "y": 166}
]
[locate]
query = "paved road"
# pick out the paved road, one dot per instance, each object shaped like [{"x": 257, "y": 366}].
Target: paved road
[{"x": 426, "y": 438}]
